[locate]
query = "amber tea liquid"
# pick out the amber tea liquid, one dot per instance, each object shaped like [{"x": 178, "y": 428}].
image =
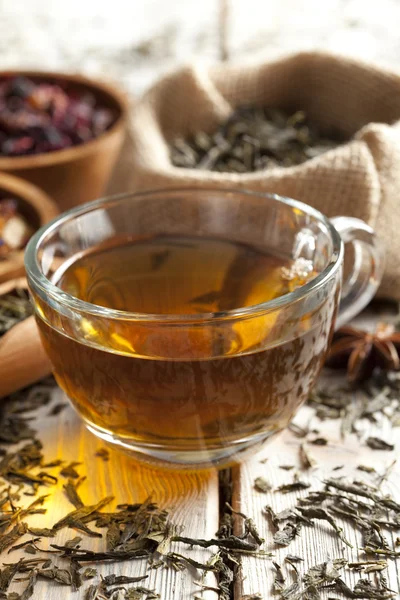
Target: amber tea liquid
[{"x": 200, "y": 391}]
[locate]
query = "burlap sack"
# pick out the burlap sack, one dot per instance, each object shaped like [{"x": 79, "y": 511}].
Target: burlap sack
[{"x": 360, "y": 178}]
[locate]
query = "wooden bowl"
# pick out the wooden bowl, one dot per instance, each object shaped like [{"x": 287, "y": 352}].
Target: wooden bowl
[
  {"x": 80, "y": 173},
  {"x": 35, "y": 206}
]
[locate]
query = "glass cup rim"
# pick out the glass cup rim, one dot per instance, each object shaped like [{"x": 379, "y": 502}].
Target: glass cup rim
[{"x": 39, "y": 280}]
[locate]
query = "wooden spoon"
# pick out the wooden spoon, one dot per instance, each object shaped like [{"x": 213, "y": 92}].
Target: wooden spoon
[{"x": 22, "y": 358}]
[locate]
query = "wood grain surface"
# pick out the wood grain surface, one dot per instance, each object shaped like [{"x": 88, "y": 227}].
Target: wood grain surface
[
  {"x": 314, "y": 544},
  {"x": 136, "y": 50},
  {"x": 192, "y": 499}
]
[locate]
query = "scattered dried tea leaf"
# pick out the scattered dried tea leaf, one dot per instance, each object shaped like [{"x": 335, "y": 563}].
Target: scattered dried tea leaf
[
  {"x": 92, "y": 592},
  {"x": 70, "y": 471},
  {"x": 113, "y": 579},
  {"x": 279, "y": 581},
  {"x": 7, "y": 575},
  {"x": 139, "y": 593},
  {"x": 53, "y": 463},
  {"x": 291, "y": 591},
  {"x": 368, "y": 566},
  {"x": 76, "y": 577},
  {"x": 378, "y": 444},
  {"x": 366, "y": 469},
  {"x": 75, "y": 516},
  {"x": 319, "y": 441},
  {"x": 293, "y": 558},
  {"x": 113, "y": 535},
  {"x": 17, "y": 467},
  {"x": 24, "y": 544},
  {"x": 306, "y": 459},
  {"x": 60, "y": 575},
  {"x": 361, "y": 490},
  {"x": 89, "y": 573},
  {"x": 284, "y": 536},
  {"x": 316, "y": 512},
  {"x": 273, "y": 516},
  {"x": 364, "y": 589},
  {"x": 42, "y": 531},
  {"x": 386, "y": 473},
  {"x": 71, "y": 491},
  {"x": 103, "y": 453},
  {"x": 9, "y": 539},
  {"x": 57, "y": 409},
  {"x": 230, "y": 543},
  {"x": 83, "y": 555},
  {"x": 293, "y": 487},
  {"x": 74, "y": 542},
  {"x": 324, "y": 572},
  {"x": 251, "y": 528},
  {"x": 180, "y": 560},
  {"x": 28, "y": 591},
  {"x": 14, "y": 307},
  {"x": 262, "y": 485},
  {"x": 381, "y": 551}
]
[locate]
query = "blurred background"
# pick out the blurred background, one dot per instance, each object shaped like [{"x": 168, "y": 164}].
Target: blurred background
[{"x": 135, "y": 42}]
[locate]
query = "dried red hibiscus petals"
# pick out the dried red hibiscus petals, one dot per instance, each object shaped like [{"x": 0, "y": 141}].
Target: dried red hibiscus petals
[
  {"x": 40, "y": 117},
  {"x": 360, "y": 352}
]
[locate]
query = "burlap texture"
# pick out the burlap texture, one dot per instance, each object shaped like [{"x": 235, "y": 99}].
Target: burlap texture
[{"x": 360, "y": 178}]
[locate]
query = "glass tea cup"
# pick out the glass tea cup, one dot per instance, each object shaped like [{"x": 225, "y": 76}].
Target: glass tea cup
[{"x": 204, "y": 386}]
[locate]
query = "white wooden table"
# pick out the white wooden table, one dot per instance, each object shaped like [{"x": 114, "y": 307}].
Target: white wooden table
[
  {"x": 134, "y": 43},
  {"x": 194, "y": 500}
]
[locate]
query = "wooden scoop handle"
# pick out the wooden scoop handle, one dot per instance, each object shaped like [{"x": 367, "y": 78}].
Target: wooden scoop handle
[{"x": 22, "y": 357}]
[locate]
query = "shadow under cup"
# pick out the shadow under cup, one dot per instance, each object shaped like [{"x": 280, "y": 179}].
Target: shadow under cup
[{"x": 188, "y": 390}]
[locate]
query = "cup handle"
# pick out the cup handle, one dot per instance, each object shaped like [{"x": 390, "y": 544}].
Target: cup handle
[{"x": 367, "y": 270}]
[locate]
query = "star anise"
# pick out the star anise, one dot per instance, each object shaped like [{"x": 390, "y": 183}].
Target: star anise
[{"x": 361, "y": 351}]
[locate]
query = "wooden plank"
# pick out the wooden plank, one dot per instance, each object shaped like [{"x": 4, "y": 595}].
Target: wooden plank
[
  {"x": 192, "y": 498},
  {"x": 314, "y": 544}
]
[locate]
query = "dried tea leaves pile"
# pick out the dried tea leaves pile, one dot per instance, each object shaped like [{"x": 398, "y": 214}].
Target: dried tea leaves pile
[
  {"x": 14, "y": 307},
  {"x": 374, "y": 400},
  {"x": 327, "y": 576},
  {"x": 129, "y": 532},
  {"x": 253, "y": 139},
  {"x": 136, "y": 531},
  {"x": 369, "y": 511}
]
